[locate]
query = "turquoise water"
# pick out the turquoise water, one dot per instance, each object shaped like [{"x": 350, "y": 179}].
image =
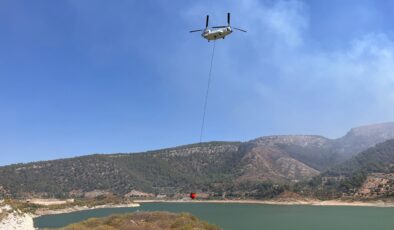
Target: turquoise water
[{"x": 252, "y": 216}]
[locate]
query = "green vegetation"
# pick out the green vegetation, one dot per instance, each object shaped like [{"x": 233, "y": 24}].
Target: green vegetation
[
  {"x": 248, "y": 189},
  {"x": 144, "y": 221},
  {"x": 168, "y": 171}
]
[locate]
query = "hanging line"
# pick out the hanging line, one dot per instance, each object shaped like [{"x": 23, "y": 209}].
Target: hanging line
[{"x": 207, "y": 92}]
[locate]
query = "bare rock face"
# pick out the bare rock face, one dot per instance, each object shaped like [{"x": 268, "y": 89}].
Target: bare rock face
[
  {"x": 376, "y": 132},
  {"x": 300, "y": 140},
  {"x": 207, "y": 149}
]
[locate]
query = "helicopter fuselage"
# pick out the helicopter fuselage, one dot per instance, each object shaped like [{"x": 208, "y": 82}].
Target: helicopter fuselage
[{"x": 216, "y": 33}]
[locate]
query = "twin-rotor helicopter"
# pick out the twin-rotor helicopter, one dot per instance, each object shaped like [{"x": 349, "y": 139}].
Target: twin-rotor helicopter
[
  {"x": 212, "y": 33},
  {"x": 217, "y": 32}
]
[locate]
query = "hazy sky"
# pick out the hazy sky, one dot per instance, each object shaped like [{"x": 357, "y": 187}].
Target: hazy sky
[{"x": 81, "y": 77}]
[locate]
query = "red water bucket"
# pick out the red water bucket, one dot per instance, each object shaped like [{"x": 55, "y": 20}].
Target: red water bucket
[{"x": 193, "y": 195}]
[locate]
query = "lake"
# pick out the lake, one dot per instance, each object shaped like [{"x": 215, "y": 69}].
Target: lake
[{"x": 252, "y": 216}]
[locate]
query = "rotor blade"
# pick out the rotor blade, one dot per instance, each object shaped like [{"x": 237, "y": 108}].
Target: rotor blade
[
  {"x": 239, "y": 29},
  {"x": 207, "y": 21},
  {"x": 228, "y": 18},
  {"x": 219, "y": 26},
  {"x": 192, "y": 31}
]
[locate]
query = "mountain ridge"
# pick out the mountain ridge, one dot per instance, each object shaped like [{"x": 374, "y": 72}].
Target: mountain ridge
[{"x": 257, "y": 167}]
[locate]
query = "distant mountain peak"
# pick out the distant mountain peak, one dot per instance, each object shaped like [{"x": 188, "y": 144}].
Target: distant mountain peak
[
  {"x": 363, "y": 137},
  {"x": 380, "y": 129}
]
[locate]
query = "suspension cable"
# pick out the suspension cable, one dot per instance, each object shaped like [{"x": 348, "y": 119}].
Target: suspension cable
[{"x": 207, "y": 92}]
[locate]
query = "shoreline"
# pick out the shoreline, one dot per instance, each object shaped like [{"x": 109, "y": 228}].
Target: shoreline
[
  {"x": 377, "y": 203},
  {"x": 44, "y": 212},
  {"x": 307, "y": 202}
]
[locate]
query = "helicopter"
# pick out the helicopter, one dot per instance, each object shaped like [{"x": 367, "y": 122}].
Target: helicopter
[{"x": 217, "y": 32}]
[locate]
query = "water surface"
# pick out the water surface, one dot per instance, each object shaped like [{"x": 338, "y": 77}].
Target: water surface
[{"x": 252, "y": 216}]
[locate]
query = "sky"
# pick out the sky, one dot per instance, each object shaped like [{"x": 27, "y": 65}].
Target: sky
[{"x": 83, "y": 77}]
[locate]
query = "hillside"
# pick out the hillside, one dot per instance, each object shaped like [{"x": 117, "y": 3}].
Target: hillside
[
  {"x": 379, "y": 158},
  {"x": 322, "y": 153},
  {"x": 361, "y": 138},
  {"x": 144, "y": 221},
  {"x": 368, "y": 174},
  {"x": 262, "y": 167}
]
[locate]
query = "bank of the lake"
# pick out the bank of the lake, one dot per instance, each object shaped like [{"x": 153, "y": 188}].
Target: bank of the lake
[
  {"x": 48, "y": 211},
  {"x": 235, "y": 216},
  {"x": 313, "y": 202}
]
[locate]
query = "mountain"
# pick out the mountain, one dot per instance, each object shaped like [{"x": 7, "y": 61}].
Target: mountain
[
  {"x": 377, "y": 159},
  {"x": 261, "y": 167},
  {"x": 369, "y": 174},
  {"x": 361, "y": 138},
  {"x": 322, "y": 153}
]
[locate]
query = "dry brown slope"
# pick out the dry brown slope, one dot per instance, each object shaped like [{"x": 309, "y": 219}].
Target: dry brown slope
[{"x": 269, "y": 163}]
